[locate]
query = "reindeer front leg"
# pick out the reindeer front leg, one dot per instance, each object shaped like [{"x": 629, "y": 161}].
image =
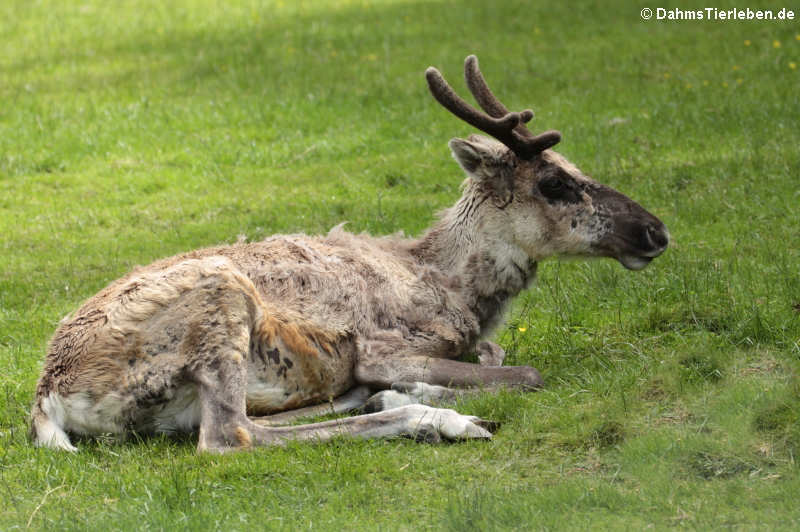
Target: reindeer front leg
[
  {"x": 391, "y": 363},
  {"x": 381, "y": 373},
  {"x": 389, "y": 359}
]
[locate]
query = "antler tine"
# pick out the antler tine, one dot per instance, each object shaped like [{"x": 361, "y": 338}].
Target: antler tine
[
  {"x": 480, "y": 90},
  {"x": 489, "y": 102},
  {"x": 499, "y": 127}
]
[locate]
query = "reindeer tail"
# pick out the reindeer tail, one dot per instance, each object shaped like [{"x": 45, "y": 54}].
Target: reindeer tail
[{"x": 46, "y": 427}]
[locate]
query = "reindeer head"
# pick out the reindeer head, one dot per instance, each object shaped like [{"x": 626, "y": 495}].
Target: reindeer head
[{"x": 544, "y": 204}]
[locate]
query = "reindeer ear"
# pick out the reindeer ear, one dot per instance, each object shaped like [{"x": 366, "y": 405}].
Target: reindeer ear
[
  {"x": 482, "y": 160},
  {"x": 468, "y": 154}
]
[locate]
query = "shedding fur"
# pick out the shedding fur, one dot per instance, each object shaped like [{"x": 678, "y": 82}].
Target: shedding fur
[{"x": 288, "y": 325}]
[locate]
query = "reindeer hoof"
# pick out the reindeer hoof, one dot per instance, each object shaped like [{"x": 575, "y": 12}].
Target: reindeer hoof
[
  {"x": 491, "y": 426},
  {"x": 528, "y": 378},
  {"x": 427, "y": 434},
  {"x": 523, "y": 378},
  {"x": 448, "y": 424}
]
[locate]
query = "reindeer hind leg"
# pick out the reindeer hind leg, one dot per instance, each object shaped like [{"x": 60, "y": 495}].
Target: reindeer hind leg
[{"x": 215, "y": 348}]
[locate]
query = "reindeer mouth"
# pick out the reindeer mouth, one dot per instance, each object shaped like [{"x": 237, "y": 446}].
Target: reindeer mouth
[
  {"x": 632, "y": 256},
  {"x": 635, "y": 253},
  {"x": 634, "y": 263}
]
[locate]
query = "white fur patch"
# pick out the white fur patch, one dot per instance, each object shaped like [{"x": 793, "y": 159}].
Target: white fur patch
[
  {"x": 447, "y": 423},
  {"x": 84, "y": 416},
  {"x": 392, "y": 399},
  {"x": 49, "y": 431},
  {"x": 264, "y": 395},
  {"x": 79, "y": 414},
  {"x": 179, "y": 414},
  {"x": 426, "y": 393}
]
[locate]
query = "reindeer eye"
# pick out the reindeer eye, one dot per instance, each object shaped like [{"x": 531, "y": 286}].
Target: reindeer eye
[{"x": 558, "y": 189}]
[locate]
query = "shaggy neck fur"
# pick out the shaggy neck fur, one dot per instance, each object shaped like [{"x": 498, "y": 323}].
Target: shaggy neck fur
[{"x": 467, "y": 244}]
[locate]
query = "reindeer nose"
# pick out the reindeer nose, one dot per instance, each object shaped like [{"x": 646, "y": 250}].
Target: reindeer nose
[{"x": 657, "y": 236}]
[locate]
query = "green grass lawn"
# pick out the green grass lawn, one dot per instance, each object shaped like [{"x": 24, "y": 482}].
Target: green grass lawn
[{"x": 134, "y": 130}]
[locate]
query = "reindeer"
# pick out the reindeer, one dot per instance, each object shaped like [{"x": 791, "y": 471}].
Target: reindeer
[{"x": 233, "y": 341}]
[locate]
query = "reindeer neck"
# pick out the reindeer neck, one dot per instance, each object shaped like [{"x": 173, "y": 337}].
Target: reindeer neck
[{"x": 487, "y": 268}]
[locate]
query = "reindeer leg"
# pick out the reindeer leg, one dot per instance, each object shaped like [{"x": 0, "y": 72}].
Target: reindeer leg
[
  {"x": 224, "y": 425},
  {"x": 413, "y": 393},
  {"x": 420, "y": 422},
  {"x": 381, "y": 372},
  {"x": 409, "y": 378},
  {"x": 352, "y": 400},
  {"x": 418, "y": 393}
]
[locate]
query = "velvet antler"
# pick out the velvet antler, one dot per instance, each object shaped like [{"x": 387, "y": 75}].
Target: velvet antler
[{"x": 507, "y": 127}]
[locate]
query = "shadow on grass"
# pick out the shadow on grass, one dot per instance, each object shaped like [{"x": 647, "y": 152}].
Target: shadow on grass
[{"x": 317, "y": 49}]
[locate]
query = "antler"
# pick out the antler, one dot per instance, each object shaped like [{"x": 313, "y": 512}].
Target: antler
[{"x": 507, "y": 127}]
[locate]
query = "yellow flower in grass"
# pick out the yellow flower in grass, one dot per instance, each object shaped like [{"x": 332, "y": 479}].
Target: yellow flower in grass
[
  {"x": 724, "y": 83},
  {"x": 747, "y": 42},
  {"x": 792, "y": 65},
  {"x": 522, "y": 329},
  {"x": 776, "y": 44},
  {"x": 739, "y": 81},
  {"x": 705, "y": 83},
  {"x": 735, "y": 68},
  {"x": 797, "y": 37}
]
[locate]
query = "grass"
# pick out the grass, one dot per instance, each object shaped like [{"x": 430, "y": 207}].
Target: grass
[{"x": 134, "y": 130}]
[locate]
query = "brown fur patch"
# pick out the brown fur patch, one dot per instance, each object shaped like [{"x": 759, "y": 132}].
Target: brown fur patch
[
  {"x": 272, "y": 327},
  {"x": 301, "y": 339},
  {"x": 243, "y": 437}
]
